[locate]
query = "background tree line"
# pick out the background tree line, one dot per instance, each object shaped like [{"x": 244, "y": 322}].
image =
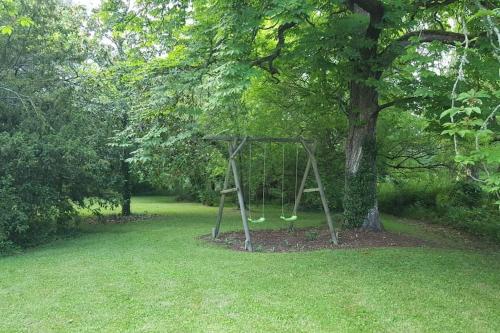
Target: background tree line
[{"x": 401, "y": 97}]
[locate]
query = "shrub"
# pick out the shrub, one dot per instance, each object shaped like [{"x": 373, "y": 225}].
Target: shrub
[
  {"x": 393, "y": 198},
  {"x": 13, "y": 219},
  {"x": 42, "y": 178},
  {"x": 466, "y": 193},
  {"x": 187, "y": 196},
  {"x": 458, "y": 205},
  {"x": 209, "y": 197},
  {"x": 481, "y": 222}
]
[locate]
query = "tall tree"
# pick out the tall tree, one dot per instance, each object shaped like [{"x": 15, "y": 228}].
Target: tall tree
[
  {"x": 365, "y": 55},
  {"x": 50, "y": 147},
  {"x": 358, "y": 42},
  {"x": 113, "y": 62}
]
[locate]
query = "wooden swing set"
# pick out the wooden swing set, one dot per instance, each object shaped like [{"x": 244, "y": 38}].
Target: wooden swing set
[{"x": 235, "y": 145}]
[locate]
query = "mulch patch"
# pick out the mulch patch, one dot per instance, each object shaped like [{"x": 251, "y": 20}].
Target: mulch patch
[{"x": 309, "y": 239}]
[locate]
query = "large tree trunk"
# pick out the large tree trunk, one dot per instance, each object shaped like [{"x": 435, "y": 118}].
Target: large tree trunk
[{"x": 360, "y": 197}]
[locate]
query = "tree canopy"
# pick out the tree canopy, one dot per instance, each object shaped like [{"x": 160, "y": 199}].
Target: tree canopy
[{"x": 95, "y": 102}]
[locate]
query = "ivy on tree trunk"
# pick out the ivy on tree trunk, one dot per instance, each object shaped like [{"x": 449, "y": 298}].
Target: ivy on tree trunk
[{"x": 360, "y": 197}]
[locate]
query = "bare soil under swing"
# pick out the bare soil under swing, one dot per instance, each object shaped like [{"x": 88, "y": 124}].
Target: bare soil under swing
[{"x": 309, "y": 239}]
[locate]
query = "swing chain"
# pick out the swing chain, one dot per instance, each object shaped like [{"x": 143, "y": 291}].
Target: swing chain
[
  {"x": 262, "y": 218},
  {"x": 250, "y": 180},
  {"x": 294, "y": 216}
]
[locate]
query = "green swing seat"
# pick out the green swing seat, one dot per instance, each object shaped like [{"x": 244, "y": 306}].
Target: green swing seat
[
  {"x": 289, "y": 219},
  {"x": 259, "y": 220}
]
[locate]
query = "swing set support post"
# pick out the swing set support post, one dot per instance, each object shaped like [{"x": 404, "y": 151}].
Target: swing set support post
[
  {"x": 311, "y": 162},
  {"x": 234, "y": 148},
  {"x": 233, "y": 151},
  {"x": 302, "y": 186},
  {"x": 215, "y": 230}
]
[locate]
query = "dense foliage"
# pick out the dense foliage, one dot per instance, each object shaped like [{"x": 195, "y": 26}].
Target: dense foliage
[
  {"x": 54, "y": 152},
  {"x": 333, "y": 71},
  {"x": 393, "y": 92}
]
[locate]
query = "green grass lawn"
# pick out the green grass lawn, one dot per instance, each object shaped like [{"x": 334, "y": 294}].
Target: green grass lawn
[{"x": 155, "y": 276}]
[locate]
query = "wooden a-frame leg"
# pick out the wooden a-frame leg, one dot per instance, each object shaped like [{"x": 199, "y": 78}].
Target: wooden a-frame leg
[
  {"x": 241, "y": 200},
  {"x": 302, "y": 186},
  {"x": 314, "y": 164},
  {"x": 324, "y": 201},
  {"x": 216, "y": 229}
]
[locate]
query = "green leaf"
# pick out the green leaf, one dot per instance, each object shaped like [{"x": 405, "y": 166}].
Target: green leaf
[
  {"x": 463, "y": 133},
  {"x": 484, "y": 12},
  {"x": 449, "y": 132},
  {"x": 6, "y": 30},
  {"x": 464, "y": 160},
  {"x": 25, "y": 21},
  {"x": 465, "y": 95},
  {"x": 450, "y": 112},
  {"x": 477, "y": 122},
  {"x": 424, "y": 92},
  {"x": 471, "y": 110}
]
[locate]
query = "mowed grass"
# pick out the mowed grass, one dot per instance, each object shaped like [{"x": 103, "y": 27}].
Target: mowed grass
[{"x": 156, "y": 276}]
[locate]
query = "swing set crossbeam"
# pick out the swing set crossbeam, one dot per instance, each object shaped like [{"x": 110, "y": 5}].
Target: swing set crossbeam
[
  {"x": 257, "y": 139},
  {"x": 235, "y": 145}
]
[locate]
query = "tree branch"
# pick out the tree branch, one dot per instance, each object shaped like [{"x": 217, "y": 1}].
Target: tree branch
[
  {"x": 397, "y": 102},
  {"x": 416, "y": 167},
  {"x": 424, "y": 36},
  {"x": 266, "y": 62}
]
